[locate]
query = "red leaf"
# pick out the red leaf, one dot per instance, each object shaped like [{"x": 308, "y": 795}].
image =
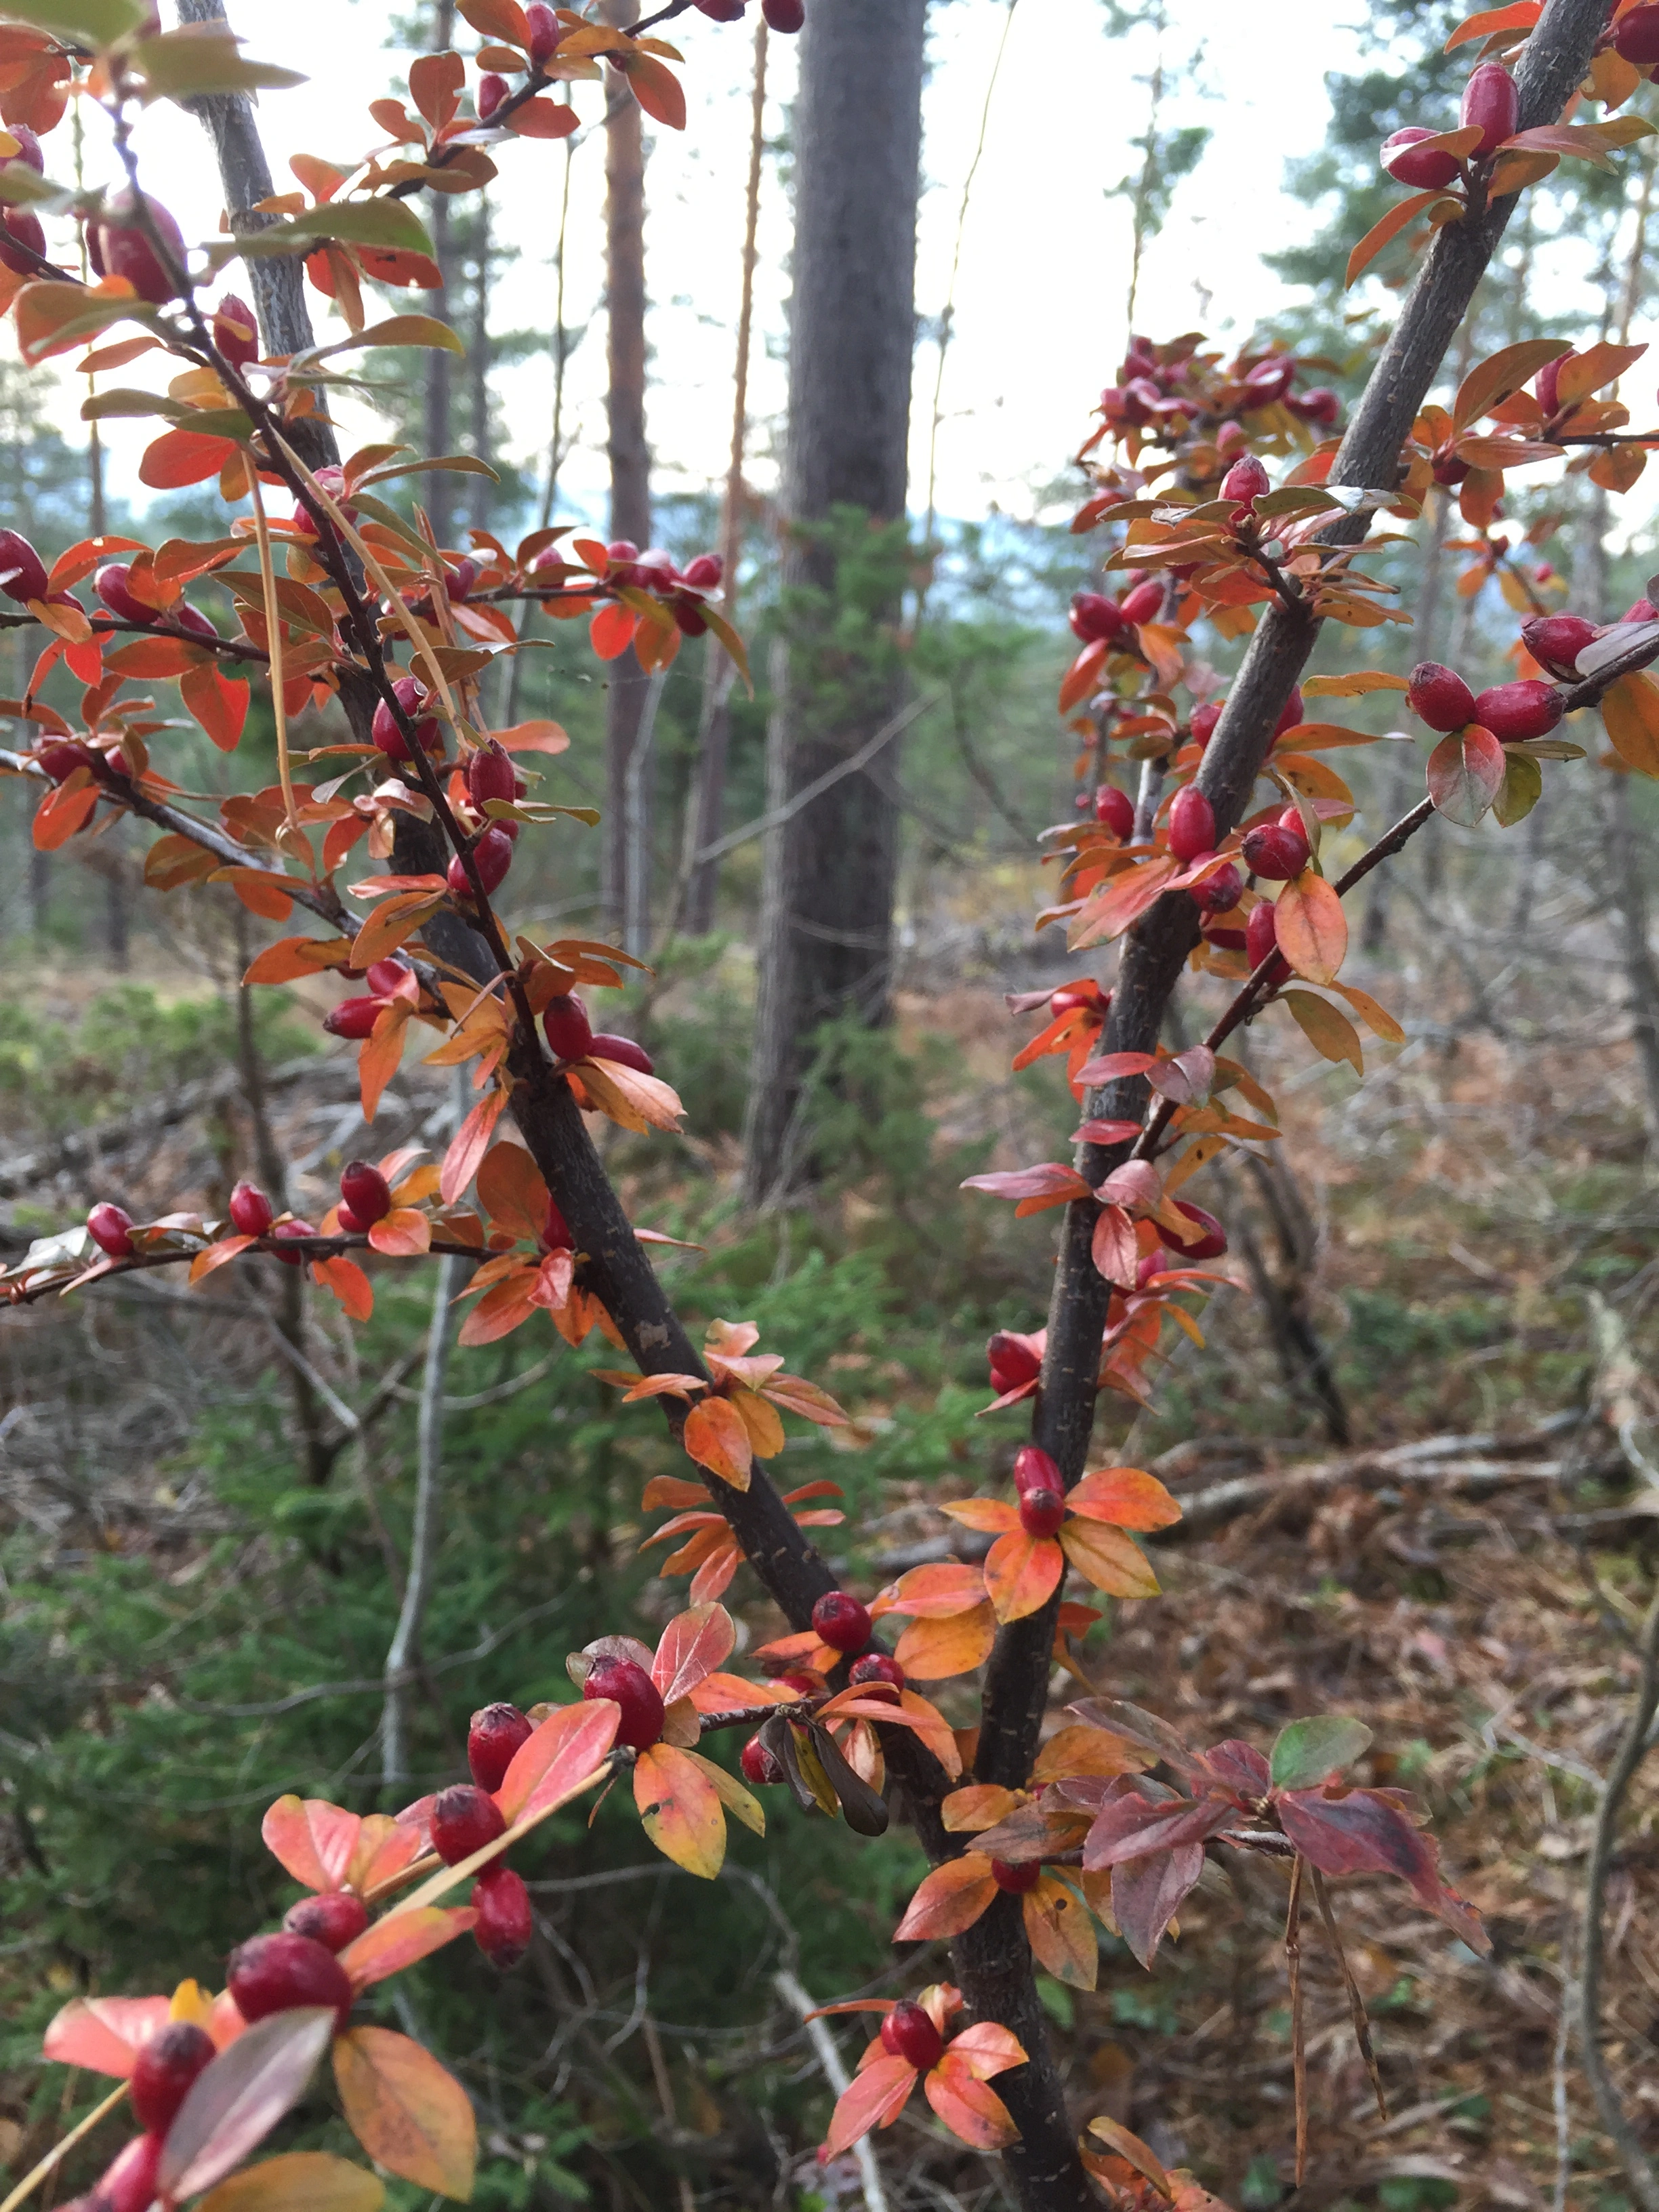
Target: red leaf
[
  {"x": 563, "y": 1753},
  {"x": 104, "y": 2035},
  {"x": 401, "y": 1938},
  {"x": 1148, "y": 1892},
  {"x": 1366, "y": 1832},
  {"x": 1113, "y": 1247},
  {"x": 219, "y": 704},
  {"x": 1466, "y": 774},
  {"x": 312, "y": 1839},
  {"x": 235, "y": 2105},
  {"x": 658, "y": 90},
  {"x": 875, "y": 2098},
  {"x": 183, "y": 457},
  {"x": 612, "y": 631},
  {"x": 970, "y": 2108},
  {"x": 1049, "y": 1182},
  {"x": 951, "y": 1898},
  {"x": 469, "y": 1146},
  {"x": 1130, "y": 1826},
  {"x": 693, "y": 1644},
  {"x": 1380, "y": 234}
]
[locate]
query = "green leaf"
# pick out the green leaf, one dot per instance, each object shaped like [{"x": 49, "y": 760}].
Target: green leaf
[
  {"x": 400, "y": 330},
  {"x": 1521, "y": 790},
  {"x": 461, "y": 465},
  {"x": 1308, "y": 1751},
  {"x": 381, "y": 221},
  {"x": 91, "y": 22},
  {"x": 181, "y": 64},
  {"x": 20, "y": 186},
  {"x": 126, "y": 401}
]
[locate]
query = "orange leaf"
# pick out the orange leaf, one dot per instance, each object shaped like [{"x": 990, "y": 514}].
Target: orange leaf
[
  {"x": 656, "y": 89},
  {"x": 693, "y": 1644},
  {"x": 681, "y": 1809},
  {"x": 469, "y": 1146},
  {"x": 992, "y": 1514},
  {"x": 183, "y": 457},
  {"x": 312, "y": 1839},
  {"x": 105, "y": 2034},
  {"x": 969, "y": 2108},
  {"x": 504, "y": 1307},
  {"x": 1380, "y": 234},
  {"x": 948, "y": 1899},
  {"x": 629, "y": 1098},
  {"x": 1125, "y": 1497},
  {"x": 216, "y": 1256},
  {"x": 1060, "y": 1933},
  {"x": 945, "y": 1586},
  {"x": 291, "y": 957},
  {"x": 931, "y": 1650},
  {"x": 876, "y": 2096},
  {"x": 409, "y": 2114},
  {"x": 381, "y": 1054},
  {"x": 1312, "y": 928},
  {"x": 564, "y": 1752},
  {"x": 218, "y": 702},
  {"x": 400, "y": 1938},
  {"x": 1108, "y": 913},
  {"x": 613, "y": 630},
  {"x": 716, "y": 1438},
  {"x": 543, "y": 119},
  {"x": 346, "y": 1280},
  {"x": 511, "y": 1191},
  {"x": 1630, "y": 711},
  {"x": 401, "y": 1233},
  {"x": 63, "y": 811},
  {"x": 1080, "y": 678},
  {"x": 1021, "y": 1572},
  {"x": 1108, "y": 1558}
]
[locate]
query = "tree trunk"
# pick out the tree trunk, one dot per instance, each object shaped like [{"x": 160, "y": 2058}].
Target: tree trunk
[
  {"x": 479, "y": 369},
  {"x": 627, "y": 810},
  {"x": 437, "y": 494},
  {"x": 826, "y": 927},
  {"x": 705, "y": 804}
]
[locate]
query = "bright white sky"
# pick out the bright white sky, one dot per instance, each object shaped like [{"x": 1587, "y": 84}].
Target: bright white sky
[{"x": 1041, "y": 294}]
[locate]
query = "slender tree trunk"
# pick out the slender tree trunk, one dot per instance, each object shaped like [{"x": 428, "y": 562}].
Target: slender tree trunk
[
  {"x": 705, "y": 802},
  {"x": 826, "y": 927},
  {"x": 631, "y": 467},
  {"x": 1401, "y": 773},
  {"x": 478, "y": 370},
  {"x": 437, "y": 494}
]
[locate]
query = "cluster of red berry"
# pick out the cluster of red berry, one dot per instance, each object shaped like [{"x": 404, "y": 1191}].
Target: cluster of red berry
[
  {"x": 1490, "y": 105},
  {"x": 1510, "y": 712},
  {"x": 1161, "y": 388},
  {"x": 786, "y": 15},
  {"x": 571, "y": 1037}
]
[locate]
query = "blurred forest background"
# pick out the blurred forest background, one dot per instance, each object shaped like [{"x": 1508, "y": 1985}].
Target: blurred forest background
[{"x": 1445, "y": 1324}]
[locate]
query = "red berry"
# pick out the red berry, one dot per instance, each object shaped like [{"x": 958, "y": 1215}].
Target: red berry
[
  {"x": 22, "y": 575},
  {"x": 464, "y": 1820},
  {"x": 1291, "y": 715},
  {"x": 128, "y": 2185},
  {"x": 60, "y": 759},
  {"x": 1220, "y": 891},
  {"x": 286, "y": 1229},
  {"x": 1142, "y": 604},
  {"x": 1274, "y": 853},
  {"x": 1491, "y": 100},
  {"x": 556, "y": 1229},
  {"x": 1246, "y": 481},
  {"x": 545, "y": 31},
  {"x": 353, "y": 1017},
  {"x": 1439, "y": 697},
  {"x": 629, "y": 1686},
  {"x": 385, "y": 730},
  {"x": 1011, "y": 1359},
  {"x": 878, "y": 1667},
  {"x": 366, "y": 1191},
  {"x": 492, "y": 91},
  {"x": 1511, "y": 711},
  {"x": 332, "y": 481},
  {"x": 622, "y": 1049},
  {"x": 1260, "y": 933},
  {"x": 1041, "y": 1512},
  {"x": 1094, "y": 615},
  {"x": 348, "y": 1224},
  {"x": 1033, "y": 1469},
  {"x": 336, "y": 1918},
  {"x": 163, "y": 2071},
  {"x": 1208, "y": 1240},
  {"x": 1086, "y": 995},
  {"x": 275, "y": 1973},
  {"x": 251, "y": 1211},
  {"x": 108, "y": 1226},
  {"x": 184, "y": 617},
  {"x": 842, "y": 1621},
  {"x": 705, "y": 573},
  {"x": 1116, "y": 810},
  {"x": 236, "y": 330},
  {"x": 785, "y": 15},
  {"x": 125, "y": 250},
  {"x": 1192, "y": 824},
  {"x": 760, "y": 1765},
  {"x": 1204, "y": 720},
  {"x": 111, "y": 585},
  {"x": 19, "y": 224},
  {"x": 1269, "y": 380},
  {"x": 1555, "y": 642},
  {"x": 1319, "y": 405},
  {"x": 492, "y": 856},
  {"x": 1017, "y": 1879},
  {"x": 505, "y": 1924},
  {"x": 1422, "y": 172},
  {"x": 385, "y": 975},
  {"x": 492, "y": 1738},
  {"x": 1635, "y": 38},
  {"x": 490, "y": 773},
  {"x": 804, "y": 1684},
  {"x": 567, "y": 1028},
  {"x": 909, "y": 2033}
]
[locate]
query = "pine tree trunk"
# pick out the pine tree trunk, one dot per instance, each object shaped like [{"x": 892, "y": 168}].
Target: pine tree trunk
[
  {"x": 627, "y": 811},
  {"x": 826, "y": 927}
]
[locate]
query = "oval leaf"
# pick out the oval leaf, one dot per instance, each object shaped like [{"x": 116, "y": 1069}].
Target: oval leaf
[
  {"x": 409, "y": 2113},
  {"x": 1312, "y": 929},
  {"x": 299, "y": 2181},
  {"x": 1307, "y": 1751},
  {"x": 233, "y": 2105},
  {"x": 1466, "y": 774}
]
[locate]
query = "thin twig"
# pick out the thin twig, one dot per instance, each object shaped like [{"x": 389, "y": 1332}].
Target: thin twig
[
  {"x": 1362, "y": 2025},
  {"x": 1298, "y": 2041}
]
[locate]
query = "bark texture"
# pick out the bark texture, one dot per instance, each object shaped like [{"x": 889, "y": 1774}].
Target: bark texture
[
  {"x": 826, "y": 931},
  {"x": 630, "y": 462}
]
